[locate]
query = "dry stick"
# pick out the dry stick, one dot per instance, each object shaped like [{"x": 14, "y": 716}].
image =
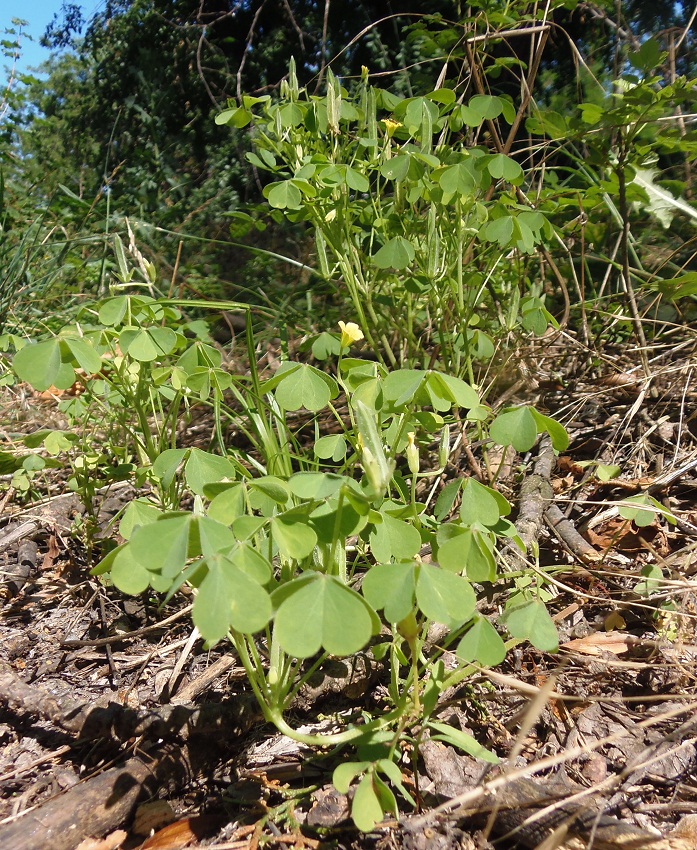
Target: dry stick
[
  {"x": 94, "y": 807},
  {"x": 120, "y": 723},
  {"x": 566, "y": 532},
  {"x": 72, "y": 644},
  {"x": 474, "y": 795},
  {"x": 536, "y": 495}
]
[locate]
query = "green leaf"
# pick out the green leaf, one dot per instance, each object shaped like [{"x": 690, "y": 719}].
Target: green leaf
[
  {"x": 648, "y": 57},
  {"x": 85, "y": 355},
  {"x": 446, "y": 498},
  {"x": 166, "y": 464},
  {"x": 463, "y": 741},
  {"x": 315, "y": 486},
  {"x": 531, "y": 621},
  {"x": 292, "y": 534},
  {"x": 228, "y": 505},
  {"x": 306, "y": 387},
  {"x": 482, "y": 504},
  {"x": 679, "y": 287},
  {"x": 391, "y": 586},
  {"x": 482, "y": 644},
  {"x": 163, "y": 546},
  {"x": 468, "y": 551},
  {"x": 283, "y": 195},
  {"x": 228, "y": 597},
  {"x": 401, "y": 386},
  {"x": 146, "y": 345},
  {"x": 556, "y": 431},
  {"x": 128, "y": 574},
  {"x": 318, "y": 611},
  {"x": 499, "y": 230},
  {"x": 244, "y": 556},
  {"x": 652, "y": 581},
  {"x": 397, "y": 254},
  {"x": 502, "y": 167},
  {"x": 606, "y": 472},
  {"x": 514, "y": 427},
  {"x": 444, "y": 596},
  {"x": 486, "y": 105},
  {"x": 395, "y": 168},
  {"x": 113, "y": 310},
  {"x": 458, "y": 179},
  {"x": 10, "y": 462},
  {"x": 239, "y": 117},
  {"x": 205, "y": 468},
  {"x": 394, "y": 539},
  {"x": 41, "y": 365},
  {"x": 461, "y": 393},
  {"x": 642, "y": 510},
  {"x": 366, "y": 808},
  {"x": 345, "y": 773},
  {"x": 213, "y": 536},
  {"x": 138, "y": 512},
  {"x": 331, "y": 447}
]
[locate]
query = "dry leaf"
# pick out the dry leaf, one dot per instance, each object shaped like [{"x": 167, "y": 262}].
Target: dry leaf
[
  {"x": 152, "y": 816},
  {"x": 183, "y": 832},
  {"x": 111, "y": 842},
  {"x": 598, "y": 642},
  {"x": 51, "y": 554},
  {"x": 614, "y": 620}
]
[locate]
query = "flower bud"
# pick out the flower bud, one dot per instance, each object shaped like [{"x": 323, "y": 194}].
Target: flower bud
[{"x": 412, "y": 454}]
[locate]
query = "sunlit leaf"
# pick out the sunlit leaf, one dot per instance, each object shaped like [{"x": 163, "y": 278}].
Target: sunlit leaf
[{"x": 482, "y": 643}]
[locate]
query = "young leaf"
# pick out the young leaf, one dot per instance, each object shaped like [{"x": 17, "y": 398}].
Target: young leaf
[
  {"x": 532, "y": 622},
  {"x": 443, "y": 596},
  {"x": 514, "y": 427},
  {"x": 397, "y": 254},
  {"x": 483, "y": 644}
]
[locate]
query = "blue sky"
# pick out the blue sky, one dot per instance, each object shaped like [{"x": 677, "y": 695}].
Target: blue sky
[{"x": 38, "y": 14}]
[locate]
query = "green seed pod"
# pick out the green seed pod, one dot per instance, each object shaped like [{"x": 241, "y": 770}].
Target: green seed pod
[{"x": 444, "y": 447}]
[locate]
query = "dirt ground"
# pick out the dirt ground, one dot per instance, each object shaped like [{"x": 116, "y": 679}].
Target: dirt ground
[{"x": 118, "y": 729}]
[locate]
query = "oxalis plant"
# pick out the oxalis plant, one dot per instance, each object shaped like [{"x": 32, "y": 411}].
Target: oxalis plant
[
  {"x": 303, "y": 552},
  {"x": 413, "y": 220},
  {"x": 293, "y": 569}
]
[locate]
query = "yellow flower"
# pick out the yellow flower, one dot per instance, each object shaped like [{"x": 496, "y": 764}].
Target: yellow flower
[
  {"x": 350, "y": 333},
  {"x": 390, "y": 126}
]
